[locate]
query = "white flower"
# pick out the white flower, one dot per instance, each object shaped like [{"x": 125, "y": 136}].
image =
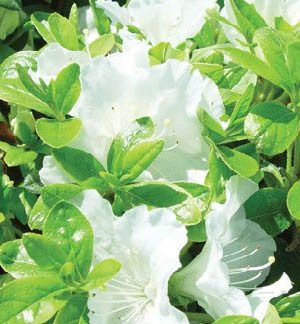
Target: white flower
[
  {"x": 235, "y": 260},
  {"x": 53, "y": 58},
  {"x": 147, "y": 244},
  {"x": 171, "y": 21},
  {"x": 118, "y": 89},
  {"x": 268, "y": 9},
  {"x": 86, "y": 22}
]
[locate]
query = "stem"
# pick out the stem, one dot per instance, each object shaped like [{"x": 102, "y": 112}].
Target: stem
[
  {"x": 296, "y": 109},
  {"x": 289, "y": 169}
]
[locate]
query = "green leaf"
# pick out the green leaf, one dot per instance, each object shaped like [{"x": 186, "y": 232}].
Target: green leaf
[
  {"x": 272, "y": 127},
  {"x": 102, "y": 45},
  {"x": 57, "y": 133},
  {"x": 15, "y": 260},
  {"x": 268, "y": 208},
  {"x": 66, "y": 88},
  {"x": 72, "y": 231},
  {"x": 195, "y": 189},
  {"x": 254, "y": 64},
  {"x": 139, "y": 158},
  {"x": 243, "y": 164},
  {"x": 19, "y": 156},
  {"x": 63, "y": 31},
  {"x": 30, "y": 85},
  {"x": 242, "y": 106},
  {"x": 247, "y": 17},
  {"x": 40, "y": 21},
  {"x": 293, "y": 200},
  {"x": 103, "y": 272},
  {"x": 20, "y": 297},
  {"x": 158, "y": 194},
  {"x": 101, "y": 21},
  {"x": 11, "y": 17},
  {"x": 38, "y": 214},
  {"x": 289, "y": 306},
  {"x": 273, "y": 47},
  {"x": 75, "y": 311},
  {"x": 78, "y": 164},
  {"x": 12, "y": 91},
  {"x": 44, "y": 251},
  {"x": 164, "y": 51},
  {"x": 236, "y": 319},
  {"x": 293, "y": 54},
  {"x": 55, "y": 193}
]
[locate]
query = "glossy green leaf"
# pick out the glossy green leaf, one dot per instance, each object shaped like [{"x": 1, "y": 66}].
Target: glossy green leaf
[
  {"x": 157, "y": 194},
  {"x": 139, "y": 158},
  {"x": 63, "y": 31},
  {"x": 20, "y": 297},
  {"x": 57, "y": 133},
  {"x": 293, "y": 200},
  {"x": 243, "y": 164},
  {"x": 75, "y": 311},
  {"x": 268, "y": 208},
  {"x": 12, "y": 91},
  {"x": 55, "y": 193},
  {"x": 66, "y": 88},
  {"x": 102, "y": 45},
  {"x": 293, "y": 54},
  {"x": 15, "y": 260},
  {"x": 71, "y": 230},
  {"x": 44, "y": 251},
  {"x": 78, "y": 164},
  {"x": 272, "y": 127},
  {"x": 103, "y": 272},
  {"x": 39, "y": 20}
]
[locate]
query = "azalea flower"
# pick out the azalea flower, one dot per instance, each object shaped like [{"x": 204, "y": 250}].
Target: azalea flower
[
  {"x": 147, "y": 243},
  {"x": 118, "y": 89},
  {"x": 268, "y": 9},
  {"x": 171, "y": 21},
  {"x": 235, "y": 260}
]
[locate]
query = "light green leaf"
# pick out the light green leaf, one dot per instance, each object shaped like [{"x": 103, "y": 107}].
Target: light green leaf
[
  {"x": 63, "y": 31},
  {"x": 103, "y": 272},
  {"x": 11, "y": 17},
  {"x": 19, "y": 156},
  {"x": 293, "y": 54},
  {"x": 243, "y": 164},
  {"x": 40, "y": 22},
  {"x": 15, "y": 260},
  {"x": 139, "y": 158},
  {"x": 78, "y": 164},
  {"x": 102, "y": 45},
  {"x": 293, "y": 200},
  {"x": 158, "y": 194},
  {"x": 101, "y": 21},
  {"x": 268, "y": 208},
  {"x": 57, "y": 133},
  {"x": 72, "y": 231},
  {"x": 75, "y": 311},
  {"x": 66, "y": 88},
  {"x": 289, "y": 307},
  {"x": 272, "y": 127},
  {"x": 44, "y": 251},
  {"x": 273, "y": 47},
  {"x": 247, "y": 17},
  {"x": 55, "y": 193},
  {"x": 22, "y": 296},
  {"x": 12, "y": 91},
  {"x": 38, "y": 214},
  {"x": 163, "y": 52}
]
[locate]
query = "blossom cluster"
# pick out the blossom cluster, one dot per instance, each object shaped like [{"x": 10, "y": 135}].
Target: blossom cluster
[{"x": 153, "y": 128}]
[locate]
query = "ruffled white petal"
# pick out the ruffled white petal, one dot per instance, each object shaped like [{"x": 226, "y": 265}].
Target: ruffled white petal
[
  {"x": 260, "y": 298},
  {"x": 53, "y": 58},
  {"x": 161, "y": 20}
]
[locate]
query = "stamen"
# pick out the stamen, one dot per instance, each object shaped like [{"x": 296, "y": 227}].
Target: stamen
[
  {"x": 125, "y": 307},
  {"x": 234, "y": 253},
  {"x": 126, "y": 284},
  {"x": 245, "y": 255},
  {"x": 271, "y": 260},
  {"x": 171, "y": 147},
  {"x": 132, "y": 315},
  {"x": 247, "y": 280}
]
